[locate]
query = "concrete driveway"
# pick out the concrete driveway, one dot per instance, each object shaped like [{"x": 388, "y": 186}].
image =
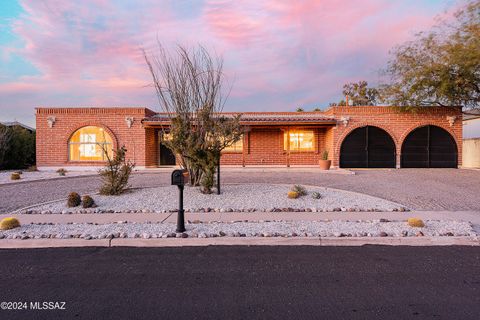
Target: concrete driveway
[{"x": 418, "y": 189}]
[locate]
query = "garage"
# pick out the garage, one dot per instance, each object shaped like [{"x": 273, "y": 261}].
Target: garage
[
  {"x": 368, "y": 147},
  {"x": 429, "y": 147}
]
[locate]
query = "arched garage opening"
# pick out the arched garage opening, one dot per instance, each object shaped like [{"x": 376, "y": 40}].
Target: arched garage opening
[
  {"x": 429, "y": 147},
  {"x": 368, "y": 147}
]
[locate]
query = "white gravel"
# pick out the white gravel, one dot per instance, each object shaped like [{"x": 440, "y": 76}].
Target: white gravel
[
  {"x": 240, "y": 229},
  {"x": 234, "y": 198},
  {"x": 39, "y": 175}
]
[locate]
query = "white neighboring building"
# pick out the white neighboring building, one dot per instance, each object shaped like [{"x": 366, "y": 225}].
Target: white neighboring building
[{"x": 471, "y": 141}]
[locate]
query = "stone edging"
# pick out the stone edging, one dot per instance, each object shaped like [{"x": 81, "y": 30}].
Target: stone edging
[{"x": 227, "y": 241}]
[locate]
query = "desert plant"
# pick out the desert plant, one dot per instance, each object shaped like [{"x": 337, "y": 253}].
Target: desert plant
[
  {"x": 415, "y": 222},
  {"x": 9, "y": 223},
  {"x": 293, "y": 194},
  {"x": 189, "y": 86},
  {"x": 316, "y": 195},
  {"x": 17, "y": 147},
  {"x": 15, "y": 176},
  {"x": 61, "y": 172},
  {"x": 116, "y": 173},
  {"x": 32, "y": 168},
  {"x": 73, "y": 200},
  {"x": 87, "y": 201},
  {"x": 325, "y": 155},
  {"x": 299, "y": 189}
]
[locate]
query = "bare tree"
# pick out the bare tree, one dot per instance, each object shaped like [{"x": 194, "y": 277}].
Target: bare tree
[{"x": 188, "y": 84}]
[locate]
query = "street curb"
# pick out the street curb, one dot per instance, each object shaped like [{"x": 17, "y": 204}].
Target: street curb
[{"x": 237, "y": 241}]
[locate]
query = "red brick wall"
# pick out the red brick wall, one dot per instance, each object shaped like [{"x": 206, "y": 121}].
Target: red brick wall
[
  {"x": 397, "y": 124},
  {"x": 52, "y": 143},
  {"x": 262, "y": 145}
]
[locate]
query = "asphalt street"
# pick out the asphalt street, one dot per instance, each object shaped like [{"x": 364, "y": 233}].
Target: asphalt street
[{"x": 371, "y": 282}]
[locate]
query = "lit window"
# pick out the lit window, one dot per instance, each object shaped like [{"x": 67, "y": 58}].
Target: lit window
[
  {"x": 235, "y": 147},
  {"x": 90, "y": 144},
  {"x": 300, "y": 140}
]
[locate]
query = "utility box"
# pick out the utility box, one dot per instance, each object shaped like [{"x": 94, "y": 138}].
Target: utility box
[{"x": 178, "y": 178}]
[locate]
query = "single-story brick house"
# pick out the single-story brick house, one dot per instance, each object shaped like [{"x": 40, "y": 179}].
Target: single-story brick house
[{"x": 355, "y": 137}]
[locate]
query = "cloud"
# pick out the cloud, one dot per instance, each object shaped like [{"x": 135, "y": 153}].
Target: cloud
[{"x": 278, "y": 54}]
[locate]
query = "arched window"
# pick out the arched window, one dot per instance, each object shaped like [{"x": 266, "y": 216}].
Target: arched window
[{"x": 90, "y": 144}]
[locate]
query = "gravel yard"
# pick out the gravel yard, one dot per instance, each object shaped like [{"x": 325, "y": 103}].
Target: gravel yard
[
  {"x": 122, "y": 229},
  {"x": 39, "y": 175},
  {"x": 234, "y": 198}
]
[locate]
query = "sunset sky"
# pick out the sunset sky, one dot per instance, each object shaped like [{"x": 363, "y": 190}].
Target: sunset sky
[{"x": 279, "y": 55}]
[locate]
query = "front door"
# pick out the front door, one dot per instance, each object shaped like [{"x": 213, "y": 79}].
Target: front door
[{"x": 167, "y": 158}]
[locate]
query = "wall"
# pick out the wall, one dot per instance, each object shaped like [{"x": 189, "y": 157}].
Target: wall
[
  {"x": 52, "y": 143},
  {"x": 398, "y": 124},
  {"x": 471, "y": 153}
]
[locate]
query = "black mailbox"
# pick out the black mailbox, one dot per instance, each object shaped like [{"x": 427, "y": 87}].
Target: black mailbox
[{"x": 178, "y": 178}]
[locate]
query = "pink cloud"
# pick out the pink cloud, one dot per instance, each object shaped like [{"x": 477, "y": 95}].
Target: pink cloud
[{"x": 283, "y": 53}]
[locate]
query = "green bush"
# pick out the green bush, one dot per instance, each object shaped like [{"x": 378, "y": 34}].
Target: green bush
[
  {"x": 316, "y": 195},
  {"x": 116, "y": 173},
  {"x": 32, "y": 168},
  {"x": 73, "y": 200},
  {"x": 17, "y": 148},
  {"x": 87, "y": 201},
  {"x": 61, "y": 172},
  {"x": 299, "y": 189},
  {"x": 9, "y": 223}
]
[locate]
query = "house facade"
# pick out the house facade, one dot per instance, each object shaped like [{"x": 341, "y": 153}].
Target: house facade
[{"x": 354, "y": 137}]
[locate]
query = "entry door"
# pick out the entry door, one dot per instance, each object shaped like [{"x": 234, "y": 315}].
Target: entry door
[
  {"x": 368, "y": 147},
  {"x": 429, "y": 147},
  {"x": 167, "y": 158}
]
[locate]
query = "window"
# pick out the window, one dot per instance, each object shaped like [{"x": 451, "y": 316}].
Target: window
[
  {"x": 89, "y": 143},
  {"x": 300, "y": 140},
  {"x": 235, "y": 147}
]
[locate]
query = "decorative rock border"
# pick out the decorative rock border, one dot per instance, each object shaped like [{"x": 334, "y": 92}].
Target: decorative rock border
[{"x": 244, "y": 228}]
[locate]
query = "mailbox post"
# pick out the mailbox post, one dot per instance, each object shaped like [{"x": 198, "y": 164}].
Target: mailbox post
[{"x": 178, "y": 179}]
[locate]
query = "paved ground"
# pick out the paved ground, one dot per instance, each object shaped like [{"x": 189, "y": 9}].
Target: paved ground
[
  {"x": 372, "y": 282},
  {"x": 419, "y": 189}
]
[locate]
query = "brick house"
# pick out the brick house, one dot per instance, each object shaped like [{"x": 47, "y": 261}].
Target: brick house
[{"x": 355, "y": 137}]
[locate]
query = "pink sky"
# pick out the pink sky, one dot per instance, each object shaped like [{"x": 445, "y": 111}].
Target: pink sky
[{"x": 279, "y": 55}]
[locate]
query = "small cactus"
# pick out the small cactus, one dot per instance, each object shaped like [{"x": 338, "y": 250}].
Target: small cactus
[
  {"x": 415, "y": 222},
  {"x": 293, "y": 194},
  {"x": 299, "y": 189},
  {"x": 316, "y": 195},
  {"x": 9, "y": 223},
  {"x": 61, "y": 172},
  {"x": 15, "y": 176},
  {"x": 74, "y": 200},
  {"x": 87, "y": 202}
]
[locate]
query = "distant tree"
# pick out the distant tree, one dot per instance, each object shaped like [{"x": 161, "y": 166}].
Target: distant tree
[
  {"x": 5, "y": 137},
  {"x": 441, "y": 67},
  {"x": 299, "y": 109},
  {"x": 19, "y": 144},
  {"x": 317, "y": 109},
  {"x": 359, "y": 94}
]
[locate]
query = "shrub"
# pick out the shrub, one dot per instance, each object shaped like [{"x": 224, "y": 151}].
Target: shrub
[
  {"x": 299, "y": 189},
  {"x": 74, "y": 200},
  {"x": 87, "y": 201},
  {"x": 316, "y": 195},
  {"x": 325, "y": 155},
  {"x": 32, "y": 168},
  {"x": 415, "y": 222},
  {"x": 17, "y": 148},
  {"x": 293, "y": 194},
  {"x": 15, "y": 176},
  {"x": 61, "y": 171},
  {"x": 116, "y": 173},
  {"x": 9, "y": 223}
]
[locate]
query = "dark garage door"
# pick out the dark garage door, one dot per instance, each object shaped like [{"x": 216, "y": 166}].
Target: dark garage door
[
  {"x": 429, "y": 147},
  {"x": 368, "y": 147}
]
